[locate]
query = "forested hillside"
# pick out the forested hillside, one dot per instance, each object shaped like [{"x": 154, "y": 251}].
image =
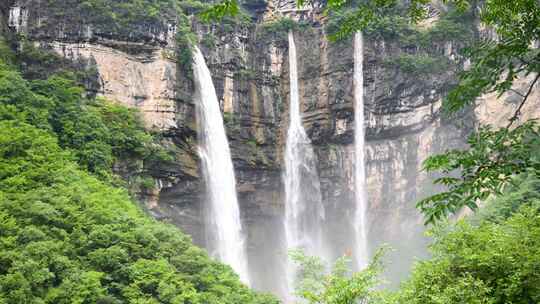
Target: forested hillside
[{"x": 68, "y": 232}]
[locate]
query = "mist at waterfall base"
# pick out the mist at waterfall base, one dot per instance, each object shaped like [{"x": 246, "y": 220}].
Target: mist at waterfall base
[{"x": 225, "y": 239}]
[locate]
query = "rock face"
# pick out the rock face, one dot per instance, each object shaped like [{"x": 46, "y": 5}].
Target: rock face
[
  {"x": 250, "y": 71},
  {"x": 146, "y": 81}
]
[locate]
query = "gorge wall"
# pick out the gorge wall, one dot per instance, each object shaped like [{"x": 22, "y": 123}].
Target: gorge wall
[{"x": 249, "y": 67}]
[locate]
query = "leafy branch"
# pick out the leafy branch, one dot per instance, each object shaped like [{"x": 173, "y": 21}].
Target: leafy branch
[
  {"x": 486, "y": 168},
  {"x": 517, "y": 113},
  {"x": 220, "y": 10}
]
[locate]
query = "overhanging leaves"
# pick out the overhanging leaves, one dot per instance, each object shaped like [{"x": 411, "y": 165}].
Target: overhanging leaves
[{"x": 485, "y": 169}]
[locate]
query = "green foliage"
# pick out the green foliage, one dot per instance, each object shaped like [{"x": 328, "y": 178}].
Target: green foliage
[
  {"x": 495, "y": 64},
  {"x": 6, "y": 54},
  {"x": 41, "y": 62},
  {"x": 66, "y": 237},
  {"x": 38, "y": 63},
  {"x": 192, "y": 7},
  {"x": 185, "y": 39},
  {"x": 346, "y": 18},
  {"x": 380, "y": 15},
  {"x": 126, "y": 19},
  {"x": 490, "y": 263},
  {"x": 220, "y": 10},
  {"x": 489, "y": 258},
  {"x": 277, "y": 29},
  {"x": 97, "y": 132},
  {"x": 339, "y": 286},
  {"x": 283, "y": 25},
  {"x": 452, "y": 26},
  {"x": 524, "y": 190},
  {"x": 495, "y": 156},
  {"x": 209, "y": 41},
  {"x": 486, "y": 168}
]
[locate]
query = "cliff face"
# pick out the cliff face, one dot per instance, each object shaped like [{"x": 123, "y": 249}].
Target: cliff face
[{"x": 250, "y": 71}]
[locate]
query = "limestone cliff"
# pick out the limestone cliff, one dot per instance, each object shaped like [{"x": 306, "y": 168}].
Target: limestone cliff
[{"x": 250, "y": 71}]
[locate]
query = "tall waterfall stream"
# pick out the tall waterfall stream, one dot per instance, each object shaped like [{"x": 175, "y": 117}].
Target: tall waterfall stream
[
  {"x": 361, "y": 255},
  {"x": 225, "y": 239},
  {"x": 304, "y": 212}
]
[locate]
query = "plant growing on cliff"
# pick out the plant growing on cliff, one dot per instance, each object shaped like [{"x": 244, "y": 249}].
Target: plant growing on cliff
[
  {"x": 276, "y": 30},
  {"x": 495, "y": 63},
  {"x": 97, "y": 131},
  {"x": 185, "y": 39},
  {"x": 129, "y": 20}
]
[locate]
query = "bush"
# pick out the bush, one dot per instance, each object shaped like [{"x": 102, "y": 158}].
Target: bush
[
  {"x": 524, "y": 190},
  {"x": 492, "y": 257}
]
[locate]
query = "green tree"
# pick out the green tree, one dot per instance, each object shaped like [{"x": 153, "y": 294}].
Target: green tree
[
  {"x": 316, "y": 285},
  {"x": 97, "y": 131}
]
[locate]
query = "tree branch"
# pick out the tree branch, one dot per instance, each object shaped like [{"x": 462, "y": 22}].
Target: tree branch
[
  {"x": 519, "y": 93},
  {"x": 525, "y": 97}
]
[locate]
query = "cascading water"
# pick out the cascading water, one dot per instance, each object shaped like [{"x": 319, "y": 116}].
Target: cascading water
[
  {"x": 360, "y": 224},
  {"x": 224, "y": 228},
  {"x": 304, "y": 212}
]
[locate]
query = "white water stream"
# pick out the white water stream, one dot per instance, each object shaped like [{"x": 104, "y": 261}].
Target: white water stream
[
  {"x": 360, "y": 224},
  {"x": 223, "y": 226},
  {"x": 304, "y": 212}
]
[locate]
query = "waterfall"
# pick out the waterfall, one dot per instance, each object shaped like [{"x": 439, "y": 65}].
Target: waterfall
[
  {"x": 304, "y": 212},
  {"x": 359, "y": 140},
  {"x": 222, "y": 214}
]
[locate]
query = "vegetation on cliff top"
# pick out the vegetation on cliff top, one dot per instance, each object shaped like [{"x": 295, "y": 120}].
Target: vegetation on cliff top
[{"x": 131, "y": 20}]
